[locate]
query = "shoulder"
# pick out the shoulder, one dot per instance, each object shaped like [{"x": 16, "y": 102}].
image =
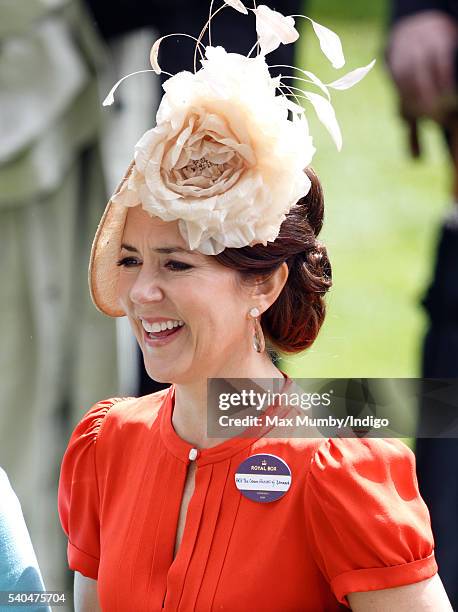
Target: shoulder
[
  {"x": 115, "y": 413},
  {"x": 347, "y": 454},
  {"x": 133, "y": 410},
  {"x": 377, "y": 468},
  {"x": 108, "y": 425}
]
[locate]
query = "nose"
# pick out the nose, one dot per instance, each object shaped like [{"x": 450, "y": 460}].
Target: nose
[{"x": 146, "y": 288}]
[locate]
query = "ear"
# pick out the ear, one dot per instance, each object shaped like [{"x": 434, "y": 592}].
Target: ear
[{"x": 264, "y": 293}]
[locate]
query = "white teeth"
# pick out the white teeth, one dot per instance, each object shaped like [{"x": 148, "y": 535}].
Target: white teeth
[
  {"x": 162, "y": 326},
  {"x": 146, "y": 326}
]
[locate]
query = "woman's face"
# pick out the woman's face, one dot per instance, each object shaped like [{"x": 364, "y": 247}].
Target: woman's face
[{"x": 197, "y": 299}]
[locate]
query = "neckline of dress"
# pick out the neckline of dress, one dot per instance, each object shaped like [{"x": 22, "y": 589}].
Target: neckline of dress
[{"x": 181, "y": 449}]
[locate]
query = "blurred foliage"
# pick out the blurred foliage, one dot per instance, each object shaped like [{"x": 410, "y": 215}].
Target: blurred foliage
[{"x": 352, "y": 10}]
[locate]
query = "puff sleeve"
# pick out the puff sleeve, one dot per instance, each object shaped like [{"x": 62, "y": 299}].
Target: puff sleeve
[
  {"x": 78, "y": 496},
  {"x": 368, "y": 527}
]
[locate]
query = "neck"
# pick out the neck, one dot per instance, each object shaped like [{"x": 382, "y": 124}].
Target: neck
[{"x": 190, "y": 411}]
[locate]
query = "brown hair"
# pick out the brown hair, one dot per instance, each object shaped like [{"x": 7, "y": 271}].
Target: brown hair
[{"x": 293, "y": 321}]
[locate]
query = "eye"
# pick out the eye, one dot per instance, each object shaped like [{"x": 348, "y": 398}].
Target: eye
[
  {"x": 127, "y": 262},
  {"x": 177, "y": 266}
]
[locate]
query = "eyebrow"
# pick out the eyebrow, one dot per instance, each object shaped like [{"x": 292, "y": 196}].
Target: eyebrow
[{"x": 165, "y": 250}]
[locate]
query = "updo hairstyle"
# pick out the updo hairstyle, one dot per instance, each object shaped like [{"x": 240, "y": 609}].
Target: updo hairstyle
[{"x": 293, "y": 321}]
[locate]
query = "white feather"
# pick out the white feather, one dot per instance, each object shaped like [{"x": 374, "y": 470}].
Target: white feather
[
  {"x": 326, "y": 115},
  {"x": 237, "y": 5},
  {"x": 351, "y": 78},
  {"x": 330, "y": 44}
]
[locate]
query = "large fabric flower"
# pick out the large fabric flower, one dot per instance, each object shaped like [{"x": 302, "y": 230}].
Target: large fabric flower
[{"x": 224, "y": 159}]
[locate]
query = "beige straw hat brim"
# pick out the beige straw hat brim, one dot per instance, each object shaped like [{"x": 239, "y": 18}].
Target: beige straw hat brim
[{"x": 103, "y": 271}]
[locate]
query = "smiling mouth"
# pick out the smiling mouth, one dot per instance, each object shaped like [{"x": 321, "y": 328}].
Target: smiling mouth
[
  {"x": 161, "y": 337},
  {"x": 163, "y": 333}
]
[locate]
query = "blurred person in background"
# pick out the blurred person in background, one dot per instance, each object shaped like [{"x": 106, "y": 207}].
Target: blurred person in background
[
  {"x": 56, "y": 352},
  {"x": 422, "y": 58},
  {"x": 19, "y": 569},
  {"x": 116, "y": 18}
]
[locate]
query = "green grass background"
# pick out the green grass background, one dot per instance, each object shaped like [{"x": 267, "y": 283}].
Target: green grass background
[{"x": 383, "y": 209}]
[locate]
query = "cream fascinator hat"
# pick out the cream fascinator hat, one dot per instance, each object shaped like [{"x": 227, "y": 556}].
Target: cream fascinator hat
[{"x": 224, "y": 158}]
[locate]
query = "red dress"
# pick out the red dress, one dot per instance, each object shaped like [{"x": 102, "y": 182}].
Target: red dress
[{"x": 352, "y": 520}]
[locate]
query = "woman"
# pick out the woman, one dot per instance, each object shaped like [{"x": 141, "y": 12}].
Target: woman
[{"x": 209, "y": 243}]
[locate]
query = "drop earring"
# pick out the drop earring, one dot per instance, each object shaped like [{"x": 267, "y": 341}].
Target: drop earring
[{"x": 259, "y": 344}]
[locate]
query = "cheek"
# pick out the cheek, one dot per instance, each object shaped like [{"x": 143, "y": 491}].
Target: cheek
[
  {"x": 230, "y": 308},
  {"x": 123, "y": 290},
  {"x": 136, "y": 328},
  {"x": 220, "y": 316},
  {"x": 125, "y": 283},
  {"x": 124, "y": 301}
]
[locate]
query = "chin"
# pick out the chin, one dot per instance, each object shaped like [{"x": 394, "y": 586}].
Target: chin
[
  {"x": 160, "y": 375},
  {"x": 163, "y": 373}
]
